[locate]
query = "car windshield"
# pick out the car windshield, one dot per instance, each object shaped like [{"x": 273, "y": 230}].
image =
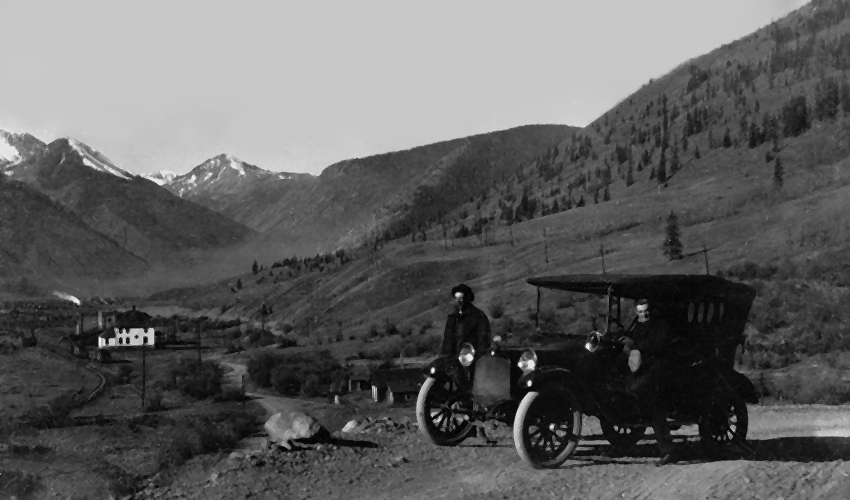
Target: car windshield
[{"x": 562, "y": 316}]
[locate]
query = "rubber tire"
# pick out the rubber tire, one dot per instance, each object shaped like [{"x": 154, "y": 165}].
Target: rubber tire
[
  {"x": 740, "y": 434},
  {"x": 426, "y": 425},
  {"x": 621, "y": 440},
  {"x": 522, "y": 446}
]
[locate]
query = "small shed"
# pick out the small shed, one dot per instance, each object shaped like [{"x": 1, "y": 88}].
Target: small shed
[
  {"x": 360, "y": 378},
  {"x": 396, "y": 385}
]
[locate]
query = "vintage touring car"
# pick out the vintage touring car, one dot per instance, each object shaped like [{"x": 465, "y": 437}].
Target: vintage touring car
[{"x": 544, "y": 392}]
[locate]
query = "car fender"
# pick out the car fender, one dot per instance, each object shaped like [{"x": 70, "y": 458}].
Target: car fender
[
  {"x": 448, "y": 368},
  {"x": 552, "y": 379},
  {"x": 743, "y": 386}
]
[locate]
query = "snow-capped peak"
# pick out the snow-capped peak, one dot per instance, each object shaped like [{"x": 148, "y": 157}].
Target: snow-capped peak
[
  {"x": 94, "y": 159},
  {"x": 7, "y": 151},
  {"x": 161, "y": 177}
]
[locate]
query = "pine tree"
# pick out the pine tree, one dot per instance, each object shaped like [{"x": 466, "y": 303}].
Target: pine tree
[
  {"x": 727, "y": 139},
  {"x": 606, "y": 196},
  {"x": 778, "y": 173},
  {"x": 630, "y": 178},
  {"x": 661, "y": 175},
  {"x": 239, "y": 284},
  {"x": 672, "y": 243},
  {"x": 255, "y": 268},
  {"x": 674, "y": 159},
  {"x": 697, "y": 154},
  {"x": 580, "y": 202},
  {"x": 845, "y": 95}
]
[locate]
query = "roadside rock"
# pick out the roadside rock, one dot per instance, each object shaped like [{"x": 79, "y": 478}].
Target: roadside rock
[
  {"x": 350, "y": 426},
  {"x": 293, "y": 426}
]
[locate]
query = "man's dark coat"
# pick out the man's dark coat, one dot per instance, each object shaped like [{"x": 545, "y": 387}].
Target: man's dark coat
[{"x": 467, "y": 325}]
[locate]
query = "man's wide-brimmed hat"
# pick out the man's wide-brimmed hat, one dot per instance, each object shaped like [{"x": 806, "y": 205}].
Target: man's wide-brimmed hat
[{"x": 467, "y": 292}]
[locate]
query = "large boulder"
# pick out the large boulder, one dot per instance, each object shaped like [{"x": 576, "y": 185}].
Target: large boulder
[{"x": 285, "y": 427}]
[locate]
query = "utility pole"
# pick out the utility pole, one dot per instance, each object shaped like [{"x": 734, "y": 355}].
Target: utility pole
[
  {"x": 545, "y": 245},
  {"x": 602, "y": 254},
  {"x": 198, "y": 329},
  {"x": 705, "y": 253},
  {"x": 144, "y": 376}
]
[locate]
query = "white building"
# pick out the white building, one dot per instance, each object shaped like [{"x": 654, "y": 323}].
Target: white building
[{"x": 126, "y": 337}]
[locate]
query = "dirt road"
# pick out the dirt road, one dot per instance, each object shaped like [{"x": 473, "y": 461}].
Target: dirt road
[{"x": 801, "y": 452}]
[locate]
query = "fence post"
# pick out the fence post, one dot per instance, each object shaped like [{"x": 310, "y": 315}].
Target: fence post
[{"x": 545, "y": 245}]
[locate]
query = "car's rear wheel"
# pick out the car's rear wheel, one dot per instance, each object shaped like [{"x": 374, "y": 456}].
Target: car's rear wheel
[
  {"x": 621, "y": 436},
  {"x": 546, "y": 429},
  {"x": 437, "y": 416},
  {"x": 725, "y": 424}
]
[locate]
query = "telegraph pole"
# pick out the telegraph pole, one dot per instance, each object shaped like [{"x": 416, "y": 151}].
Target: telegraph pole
[
  {"x": 144, "y": 376},
  {"x": 198, "y": 329}
]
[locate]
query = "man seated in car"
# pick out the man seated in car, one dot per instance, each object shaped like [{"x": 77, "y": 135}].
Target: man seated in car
[{"x": 650, "y": 335}]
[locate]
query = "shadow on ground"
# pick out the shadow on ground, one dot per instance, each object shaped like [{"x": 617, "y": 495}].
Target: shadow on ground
[{"x": 786, "y": 449}]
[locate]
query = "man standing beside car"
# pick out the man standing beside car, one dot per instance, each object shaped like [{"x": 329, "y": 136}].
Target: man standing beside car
[
  {"x": 466, "y": 323},
  {"x": 651, "y": 336}
]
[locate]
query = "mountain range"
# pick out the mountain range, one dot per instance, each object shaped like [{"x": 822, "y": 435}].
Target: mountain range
[{"x": 765, "y": 106}]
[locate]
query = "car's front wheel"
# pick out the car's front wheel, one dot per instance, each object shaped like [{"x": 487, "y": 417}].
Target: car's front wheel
[
  {"x": 437, "y": 414},
  {"x": 546, "y": 429}
]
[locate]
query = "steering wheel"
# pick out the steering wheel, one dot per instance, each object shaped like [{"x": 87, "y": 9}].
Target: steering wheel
[{"x": 615, "y": 321}]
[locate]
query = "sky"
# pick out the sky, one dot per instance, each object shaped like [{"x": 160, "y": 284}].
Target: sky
[{"x": 298, "y": 86}]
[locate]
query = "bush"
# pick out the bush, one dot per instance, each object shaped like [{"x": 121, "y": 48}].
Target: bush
[
  {"x": 234, "y": 394},
  {"x": 287, "y": 327},
  {"x": 208, "y": 434},
  {"x": 154, "y": 402},
  {"x": 125, "y": 373},
  {"x": 17, "y": 484},
  {"x": 497, "y": 310},
  {"x": 373, "y": 331},
  {"x": 425, "y": 327},
  {"x": 198, "y": 380},
  {"x": 390, "y": 328},
  {"x": 55, "y": 414},
  {"x": 311, "y": 386},
  {"x": 288, "y": 373}
]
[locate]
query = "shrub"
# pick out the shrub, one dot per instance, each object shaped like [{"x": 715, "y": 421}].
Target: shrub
[
  {"x": 17, "y": 484},
  {"x": 55, "y": 414},
  {"x": 425, "y": 327},
  {"x": 373, "y": 331},
  {"x": 231, "y": 394},
  {"x": 287, "y": 327},
  {"x": 154, "y": 402},
  {"x": 390, "y": 328},
  {"x": 285, "y": 380},
  {"x": 311, "y": 386},
  {"x": 288, "y": 373},
  {"x": 260, "y": 368},
  {"x": 198, "y": 380},
  {"x": 124, "y": 375},
  {"x": 208, "y": 434},
  {"x": 497, "y": 310}
]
